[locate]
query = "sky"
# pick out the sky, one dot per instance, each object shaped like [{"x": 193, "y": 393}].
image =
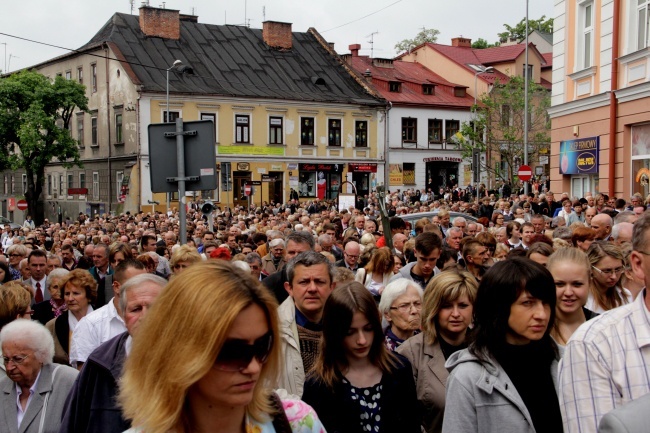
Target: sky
[{"x": 72, "y": 23}]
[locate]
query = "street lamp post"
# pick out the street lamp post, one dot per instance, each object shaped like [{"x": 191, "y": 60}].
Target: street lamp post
[
  {"x": 176, "y": 64},
  {"x": 475, "y": 158},
  {"x": 526, "y": 78}
]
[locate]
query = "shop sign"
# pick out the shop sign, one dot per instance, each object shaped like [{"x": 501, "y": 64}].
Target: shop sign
[
  {"x": 292, "y": 166},
  {"x": 362, "y": 168},
  {"x": 243, "y": 166},
  {"x": 276, "y": 167},
  {"x": 336, "y": 168},
  {"x": 11, "y": 204},
  {"x": 443, "y": 158},
  {"x": 579, "y": 156}
]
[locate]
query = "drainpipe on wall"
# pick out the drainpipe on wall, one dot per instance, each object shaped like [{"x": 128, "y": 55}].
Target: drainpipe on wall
[
  {"x": 613, "y": 105},
  {"x": 108, "y": 124}
]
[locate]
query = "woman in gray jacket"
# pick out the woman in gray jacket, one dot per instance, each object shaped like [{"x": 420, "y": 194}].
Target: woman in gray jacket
[{"x": 505, "y": 381}]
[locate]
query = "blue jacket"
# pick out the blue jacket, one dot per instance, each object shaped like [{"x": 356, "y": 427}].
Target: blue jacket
[{"x": 91, "y": 405}]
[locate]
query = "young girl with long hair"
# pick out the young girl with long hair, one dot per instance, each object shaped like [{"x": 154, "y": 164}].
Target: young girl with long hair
[
  {"x": 357, "y": 385},
  {"x": 607, "y": 266}
]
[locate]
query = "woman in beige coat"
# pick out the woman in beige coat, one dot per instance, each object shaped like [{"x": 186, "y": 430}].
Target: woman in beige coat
[{"x": 446, "y": 315}]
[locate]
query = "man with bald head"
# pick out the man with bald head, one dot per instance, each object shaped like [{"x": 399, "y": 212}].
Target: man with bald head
[
  {"x": 399, "y": 239},
  {"x": 351, "y": 253},
  {"x": 602, "y": 223},
  {"x": 590, "y": 213}
]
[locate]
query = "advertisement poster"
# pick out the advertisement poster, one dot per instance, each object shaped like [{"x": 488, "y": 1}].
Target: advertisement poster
[
  {"x": 395, "y": 174},
  {"x": 579, "y": 156},
  {"x": 307, "y": 184}
]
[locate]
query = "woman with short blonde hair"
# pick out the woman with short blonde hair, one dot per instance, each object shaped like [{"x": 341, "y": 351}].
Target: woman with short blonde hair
[
  {"x": 169, "y": 386},
  {"x": 183, "y": 257},
  {"x": 446, "y": 315}
]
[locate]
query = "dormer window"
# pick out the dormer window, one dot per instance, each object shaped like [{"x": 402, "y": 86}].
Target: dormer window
[
  {"x": 428, "y": 89},
  {"x": 459, "y": 92},
  {"x": 395, "y": 86}
]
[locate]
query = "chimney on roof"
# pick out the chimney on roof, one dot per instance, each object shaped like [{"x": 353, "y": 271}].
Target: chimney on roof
[
  {"x": 461, "y": 42},
  {"x": 160, "y": 23},
  {"x": 354, "y": 49},
  {"x": 277, "y": 34}
]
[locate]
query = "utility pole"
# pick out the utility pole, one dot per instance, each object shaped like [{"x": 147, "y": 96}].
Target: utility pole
[{"x": 372, "y": 42}]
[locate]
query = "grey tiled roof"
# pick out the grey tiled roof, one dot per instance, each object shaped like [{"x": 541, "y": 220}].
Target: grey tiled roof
[{"x": 232, "y": 61}]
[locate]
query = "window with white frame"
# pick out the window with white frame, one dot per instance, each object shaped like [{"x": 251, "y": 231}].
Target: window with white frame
[
  {"x": 585, "y": 35},
  {"x": 643, "y": 24},
  {"x": 95, "y": 185},
  {"x": 61, "y": 185},
  {"x": 13, "y": 184},
  {"x": 275, "y": 130},
  {"x": 24, "y": 184},
  {"x": 49, "y": 185},
  {"x": 212, "y": 117},
  {"x": 70, "y": 182},
  {"x": 82, "y": 180},
  {"x": 93, "y": 128},
  {"x": 55, "y": 190},
  {"x": 242, "y": 128}
]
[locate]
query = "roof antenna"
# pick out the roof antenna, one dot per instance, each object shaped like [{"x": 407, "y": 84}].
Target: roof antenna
[
  {"x": 131, "y": 2},
  {"x": 372, "y": 42},
  {"x": 263, "y": 13}
]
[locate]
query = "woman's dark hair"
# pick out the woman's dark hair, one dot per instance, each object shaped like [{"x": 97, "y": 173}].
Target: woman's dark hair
[
  {"x": 500, "y": 287},
  {"x": 161, "y": 250},
  {"x": 345, "y": 300},
  {"x": 510, "y": 226},
  {"x": 5, "y": 268}
]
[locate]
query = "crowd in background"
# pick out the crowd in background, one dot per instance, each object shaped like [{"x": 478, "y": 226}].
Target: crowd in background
[{"x": 515, "y": 313}]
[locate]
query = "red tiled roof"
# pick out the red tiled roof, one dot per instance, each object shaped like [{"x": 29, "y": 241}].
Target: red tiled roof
[
  {"x": 506, "y": 53},
  {"x": 412, "y": 76},
  {"x": 548, "y": 58},
  {"x": 546, "y": 84}
]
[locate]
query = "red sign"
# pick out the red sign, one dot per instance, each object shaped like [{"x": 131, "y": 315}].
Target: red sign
[
  {"x": 22, "y": 204},
  {"x": 11, "y": 204},
  {"x": 362, "y": 168},
  {"x": 248, "y": 190},
  {"x": 525, "y": 173},
  {"x": 80, "y": 191}
]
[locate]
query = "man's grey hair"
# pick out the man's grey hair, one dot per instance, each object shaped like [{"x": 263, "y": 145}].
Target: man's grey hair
[
  {"x": 33, "y": 335},
  {"x": 301, "y": 238},
  {"x": 616, "y": 229},
  {"x": 627, "y": 216},
  {"x": 253, "y": 258},
  {"x": 394, "y": 290},
  {"x": 639, "y": 237},
  {"x": 460, "y": 220},
  {"x": 136, "y": 281},
  {"x": 324, "y": 238},
  {"x": 455, "y": 229},
  {"x": 307, "y": 259},
  {"x": 274, "y": 234},
  {"x": 56, "y": 273},
  {"x": 563, "y": 233}
]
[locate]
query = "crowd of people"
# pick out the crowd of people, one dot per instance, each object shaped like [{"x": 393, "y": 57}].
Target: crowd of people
[{"x": 522, "y": 313}]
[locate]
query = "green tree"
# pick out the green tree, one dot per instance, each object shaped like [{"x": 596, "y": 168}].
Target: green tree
[
  {"x": 426, "y": 35},
  {"x": 35, "y": 116},
  {"x": 499, "y": 129},
  {"x": 518, "y": 31},
  {"x": 481, "y": 44}
]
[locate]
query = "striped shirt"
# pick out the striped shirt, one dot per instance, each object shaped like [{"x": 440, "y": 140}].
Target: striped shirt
[{"x": 606, "y": 364}]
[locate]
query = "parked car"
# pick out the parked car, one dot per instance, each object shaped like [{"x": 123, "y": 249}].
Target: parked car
[
  {"x": 413, "y": 217},
  {"x": 4, "y": 221}
]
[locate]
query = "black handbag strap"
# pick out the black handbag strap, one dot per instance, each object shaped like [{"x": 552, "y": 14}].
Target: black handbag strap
[{"x": 280, "y": 420}]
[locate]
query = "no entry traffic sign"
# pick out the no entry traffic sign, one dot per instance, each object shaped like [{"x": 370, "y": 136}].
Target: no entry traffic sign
[{"x": 525, "y": 173}]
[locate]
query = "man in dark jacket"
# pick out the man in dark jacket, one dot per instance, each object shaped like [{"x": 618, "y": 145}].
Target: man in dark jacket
[{"x": 91, "y": 406}]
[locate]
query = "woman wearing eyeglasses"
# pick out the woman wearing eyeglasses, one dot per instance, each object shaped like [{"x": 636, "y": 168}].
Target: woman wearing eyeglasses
[
  {"x": 607, "y": 266},
  {"x": 34, "y": 390},
  {"x": 446, "y": 316},
  {"x": 400, "y": 306},
  {"x": 207, "y": 372},
  {"x": 357, "y": 385}
]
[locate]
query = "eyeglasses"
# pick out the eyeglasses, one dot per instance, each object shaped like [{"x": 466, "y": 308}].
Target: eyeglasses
[
  {"x": 608, "y": 272},
  {"x": 405, "y": 308},
  {"x": 30, "y": 312},
  {"x": 237, "y": 355},
  {"x": 17, "y": 360},
  {"x": 351, "y": 256}
]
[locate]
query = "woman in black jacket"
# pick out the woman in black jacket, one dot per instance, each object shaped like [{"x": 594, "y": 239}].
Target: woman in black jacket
[{"x": 356, "y": 384}]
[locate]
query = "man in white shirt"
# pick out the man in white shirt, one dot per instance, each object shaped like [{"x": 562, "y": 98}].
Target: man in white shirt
[
  {"x": 106, "y": 322},
  {"x": 605, "y": 364}
]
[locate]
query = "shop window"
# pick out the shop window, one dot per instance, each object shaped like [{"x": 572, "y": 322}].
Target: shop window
[{"x": 408, "y": 173}]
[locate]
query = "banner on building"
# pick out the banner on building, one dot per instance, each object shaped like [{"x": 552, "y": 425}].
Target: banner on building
[
  {"x": 579, "y": 156},
  {"x": 395, "y": 174}
]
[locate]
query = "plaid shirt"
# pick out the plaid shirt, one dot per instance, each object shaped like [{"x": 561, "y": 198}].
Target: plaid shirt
[{"x": 606, "y": 364}]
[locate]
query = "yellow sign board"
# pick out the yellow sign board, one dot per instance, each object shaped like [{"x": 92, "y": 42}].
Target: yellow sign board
[
  {"x": 395, "y": 175},
  {"x": 250, "y": 150}
]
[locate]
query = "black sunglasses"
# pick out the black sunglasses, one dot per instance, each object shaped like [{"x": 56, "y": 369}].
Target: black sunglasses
[{"x": 236, "y": 355}]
